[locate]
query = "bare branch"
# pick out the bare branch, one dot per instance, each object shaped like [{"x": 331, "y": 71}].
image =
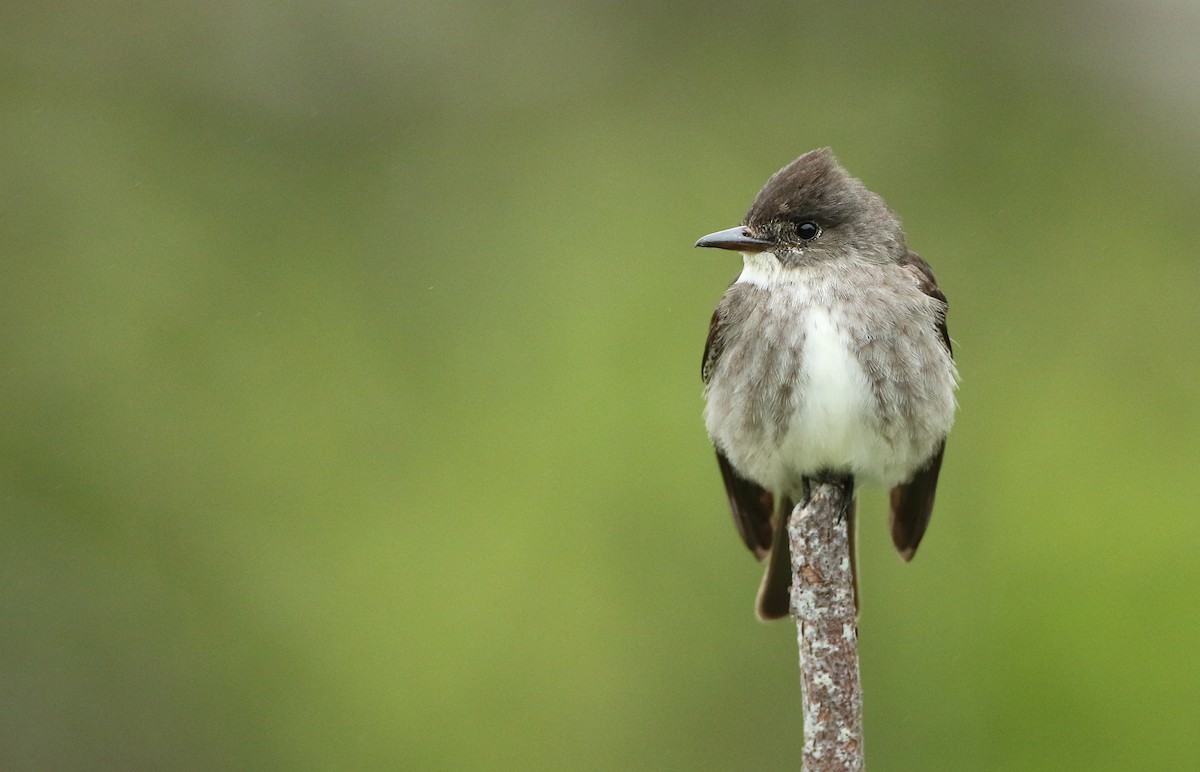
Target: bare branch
[{"x": 826, "y": 620}]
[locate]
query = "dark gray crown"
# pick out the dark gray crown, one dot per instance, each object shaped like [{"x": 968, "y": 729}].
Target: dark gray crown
[{"x": 813, "y": 187}]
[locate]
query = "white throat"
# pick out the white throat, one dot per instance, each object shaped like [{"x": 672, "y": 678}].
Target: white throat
[{"x": 760, "y": 268}]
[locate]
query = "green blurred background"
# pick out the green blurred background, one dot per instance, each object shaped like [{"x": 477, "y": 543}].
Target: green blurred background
[{"x": 350, "y": 382}]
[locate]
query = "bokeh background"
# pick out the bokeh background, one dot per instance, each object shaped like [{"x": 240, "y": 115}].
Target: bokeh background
[{"x": 350, "y": 400}]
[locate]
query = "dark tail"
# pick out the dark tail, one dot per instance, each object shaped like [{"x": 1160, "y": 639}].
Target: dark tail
[{"x": 775, "y": 592}]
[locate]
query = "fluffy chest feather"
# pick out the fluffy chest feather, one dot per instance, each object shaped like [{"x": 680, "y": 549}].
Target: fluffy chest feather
[
  {"x": 835, "y": 420},
  {"x": 828, "y": 371}
]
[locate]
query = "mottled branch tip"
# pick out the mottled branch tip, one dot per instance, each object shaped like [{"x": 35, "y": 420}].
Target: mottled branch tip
[{"x": 826, "y": 622}]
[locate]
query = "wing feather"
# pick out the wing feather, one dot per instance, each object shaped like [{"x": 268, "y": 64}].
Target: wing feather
[{"x": 912, "y": 502}]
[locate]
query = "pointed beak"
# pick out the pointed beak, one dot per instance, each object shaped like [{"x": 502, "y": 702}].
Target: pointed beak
[{"x": 737, "y": 239}]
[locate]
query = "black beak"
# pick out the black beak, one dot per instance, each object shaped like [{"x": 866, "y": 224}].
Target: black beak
[{"x": 738, "y": 239}]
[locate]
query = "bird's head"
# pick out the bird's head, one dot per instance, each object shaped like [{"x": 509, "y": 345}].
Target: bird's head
[{"x": 812, "y": 210}]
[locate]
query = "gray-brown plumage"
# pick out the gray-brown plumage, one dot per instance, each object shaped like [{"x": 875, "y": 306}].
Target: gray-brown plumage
[{"x": 828, "y": 358}]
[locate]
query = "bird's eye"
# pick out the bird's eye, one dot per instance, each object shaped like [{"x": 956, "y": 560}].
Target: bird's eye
[{"x": 807, "y": 231}]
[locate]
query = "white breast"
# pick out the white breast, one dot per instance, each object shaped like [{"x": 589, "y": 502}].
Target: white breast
[{"x": 836, "y": 423}]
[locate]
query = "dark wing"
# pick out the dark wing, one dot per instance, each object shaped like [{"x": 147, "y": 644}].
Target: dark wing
[
  {"x": 712, "y": 347},
  {"x": 912, "y": 502},
  {"x": 752, "y": 504},
  {"x": 912, "y": 505}
]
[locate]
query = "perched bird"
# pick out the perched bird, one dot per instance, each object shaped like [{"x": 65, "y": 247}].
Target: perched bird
[{"x": 827, "y": 359}]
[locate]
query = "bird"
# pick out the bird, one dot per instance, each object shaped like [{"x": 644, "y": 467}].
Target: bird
[{"x": 827, "y": 360}]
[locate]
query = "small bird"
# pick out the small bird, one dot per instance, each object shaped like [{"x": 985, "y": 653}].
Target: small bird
[{"x": 827, "y": 359}]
